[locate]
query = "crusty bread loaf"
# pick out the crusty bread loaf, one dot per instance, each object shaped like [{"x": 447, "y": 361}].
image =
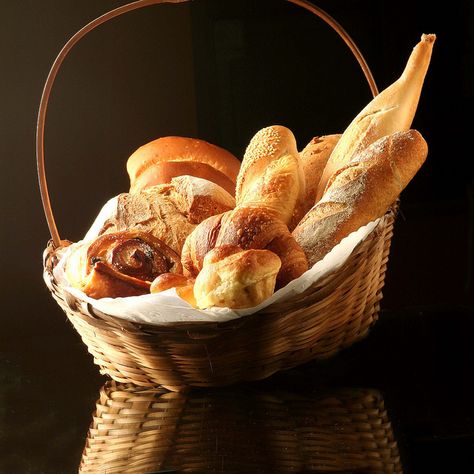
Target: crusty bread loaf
[
  {"x": 198, "y": 243},
  {"x": 169, "y": 211},
  {"x": 271, "y": 175},
  {"x": 217, "y": 165},
  {"x": 391, "y": 111},
  {"x": 313, "y": 158},
  {"x": 361, "y": 192},
  {"x": 236, "y": 278}
]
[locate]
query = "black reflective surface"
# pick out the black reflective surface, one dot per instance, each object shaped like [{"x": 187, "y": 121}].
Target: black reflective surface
[{"x": 415, "y": 367}]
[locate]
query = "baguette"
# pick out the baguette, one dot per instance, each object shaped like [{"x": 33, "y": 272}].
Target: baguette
[
  {"x": 313, "y": 158},
  {"x": 391, "y": 111},
  {"x": 271, "y": 175},
  {"x": 361, "y": 192}
]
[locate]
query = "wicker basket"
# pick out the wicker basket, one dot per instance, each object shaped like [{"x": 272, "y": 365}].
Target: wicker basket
[
  {"x": 329, "y": 316},
  {"x": 146, "y": 430}
]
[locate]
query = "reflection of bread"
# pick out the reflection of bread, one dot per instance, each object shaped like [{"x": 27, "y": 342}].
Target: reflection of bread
[
  {"x": 391, "y": 111},
  {"x": 161, "y": 160},
  {"x": 313, "y": 158},
  {"x": 169, "y": 211},
  {"x": 236, "y": 278},
  {"x": 271, "y": 176},
  {"x": 361, "y": 192}
]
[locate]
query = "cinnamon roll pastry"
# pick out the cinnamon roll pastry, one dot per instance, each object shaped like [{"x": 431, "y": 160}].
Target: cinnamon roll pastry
[{"x": 120, "y": 264}]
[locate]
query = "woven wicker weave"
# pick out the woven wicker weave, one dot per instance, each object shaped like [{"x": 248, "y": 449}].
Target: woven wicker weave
[
  {"x": 144, "y": 430},
  {"x": 329, "y": 316}
]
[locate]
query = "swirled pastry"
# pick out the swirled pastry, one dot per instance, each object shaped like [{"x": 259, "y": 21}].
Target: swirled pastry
[{"x": 120, "y": 264}]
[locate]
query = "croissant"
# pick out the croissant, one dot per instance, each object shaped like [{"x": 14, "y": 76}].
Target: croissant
[
  {"x": 120, "y": 264},
  {"x": 246, "y": 228}
]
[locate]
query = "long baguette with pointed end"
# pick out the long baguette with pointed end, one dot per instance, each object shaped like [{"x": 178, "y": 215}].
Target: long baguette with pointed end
[
  {"x": 361, "y": 192},
  {"x": 391, "y": 111}
]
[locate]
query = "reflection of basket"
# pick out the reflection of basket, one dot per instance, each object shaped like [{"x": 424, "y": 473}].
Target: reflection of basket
[
  {"x": 329, "y": 316},
  {"x": 144, "y": 430}
]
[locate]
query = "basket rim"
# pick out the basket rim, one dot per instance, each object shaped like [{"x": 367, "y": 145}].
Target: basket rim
[{"x": 78, "y": 305}]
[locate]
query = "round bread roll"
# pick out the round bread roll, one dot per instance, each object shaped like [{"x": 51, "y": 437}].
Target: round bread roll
[{"x": 161, "y": 160}]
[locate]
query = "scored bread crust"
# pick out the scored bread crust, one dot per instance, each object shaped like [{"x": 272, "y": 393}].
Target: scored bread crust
[
  {"x": 391, "y": 111},
  {"x": 361, "y": 192},
  {"x": 169, "y": 211}
]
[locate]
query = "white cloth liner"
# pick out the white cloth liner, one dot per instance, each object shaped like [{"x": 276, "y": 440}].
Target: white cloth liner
[{"x": 167, "y": 307}]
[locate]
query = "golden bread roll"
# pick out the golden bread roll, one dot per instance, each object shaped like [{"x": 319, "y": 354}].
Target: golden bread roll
[
  {"x": 120, "y": 264},
  {"x": 391, "y": 111},
  {"x": 184, "y": 286},
  {"x": 186, "y": 156},
  {"x": 163, "y": 172},
  {"x": 313, "y": 158},
  {"x": 271, "y": 175},
  {"x": 236, "y": 278},
  {"x": 198, "y": 243},
  {"x": 246, "y": 228},
  {"x": 361, "y": 192},
  {"x": 169, "y": 211}
]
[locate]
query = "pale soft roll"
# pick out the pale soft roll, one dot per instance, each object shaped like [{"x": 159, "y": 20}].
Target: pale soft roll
[
  {"x": 361, "y": 192},
  {"x": 236, "y": 279},
  {"x": 391, "y": 111}
]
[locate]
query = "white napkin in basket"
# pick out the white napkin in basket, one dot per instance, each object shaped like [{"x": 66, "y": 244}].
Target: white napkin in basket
[{"x": 167, "y": 307}]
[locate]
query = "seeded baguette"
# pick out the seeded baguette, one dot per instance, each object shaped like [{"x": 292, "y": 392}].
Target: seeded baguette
[{"x": 361, "y": 192}]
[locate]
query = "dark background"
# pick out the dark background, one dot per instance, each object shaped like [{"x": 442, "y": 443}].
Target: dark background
[{"x": 220, "y": 71}]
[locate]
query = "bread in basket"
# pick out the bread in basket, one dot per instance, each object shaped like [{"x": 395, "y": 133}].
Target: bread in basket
[{"x": 329, "y": 314}]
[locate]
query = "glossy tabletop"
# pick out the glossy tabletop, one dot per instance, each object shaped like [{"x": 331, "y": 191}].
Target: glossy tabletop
[{"x": 398, "y": 401}]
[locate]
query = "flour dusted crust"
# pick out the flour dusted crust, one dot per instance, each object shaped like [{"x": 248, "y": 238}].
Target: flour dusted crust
[
  {"x": 169, "y": 211},
  {"x": 361, "y": 192}
]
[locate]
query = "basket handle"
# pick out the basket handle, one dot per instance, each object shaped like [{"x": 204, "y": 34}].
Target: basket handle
[{"x": 120, "y": 11}]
